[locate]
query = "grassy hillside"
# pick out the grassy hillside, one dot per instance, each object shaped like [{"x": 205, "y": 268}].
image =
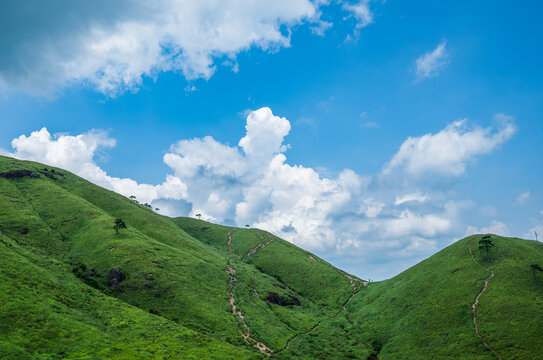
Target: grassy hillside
[
  {"x": 71, "y": 287},
  {"x": 66, "y": 223},
  {"x": 304, "y": 272},
  {"x": 426, "y": 311}
]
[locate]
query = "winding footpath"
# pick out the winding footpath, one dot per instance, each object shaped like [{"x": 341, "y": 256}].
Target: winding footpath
[
  {"x": 475, "y": 305},
  {"x": 356, "y": 285},
  {"x": 244, "y": 329},
  {"x": 259, "y": 246},
  {"x": 229, "y": 243},
  {"x": 353, "y": 281},
  {"x": 300, "y": 334}
]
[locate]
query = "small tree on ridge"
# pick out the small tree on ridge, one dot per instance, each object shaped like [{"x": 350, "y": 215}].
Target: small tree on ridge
[{"x": 485, "y": 244}]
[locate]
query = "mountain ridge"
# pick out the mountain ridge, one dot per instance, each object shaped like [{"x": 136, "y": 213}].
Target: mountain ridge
[{"x": 228, "y": 292}]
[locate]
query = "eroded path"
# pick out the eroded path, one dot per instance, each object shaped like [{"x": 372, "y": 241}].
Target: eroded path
[
  {"x": 475, "y": 305},
  {"x": 356, "y": 285},
  {"x": 229, "y": 243},
  {"x": 244, "y": 329},
  {"x": 263, "y": 242}
]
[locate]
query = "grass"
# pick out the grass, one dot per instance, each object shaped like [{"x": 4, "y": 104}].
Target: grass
[
  {"x": 174, "y": 303},
  {"x": 170, "y": 275},
  {"x": 425, "y": 312}
]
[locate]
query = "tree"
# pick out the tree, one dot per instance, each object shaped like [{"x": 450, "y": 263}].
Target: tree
[
  {"x": 119, "y": 224},
  {"x": 199, "y": 216},
  {"x": 132, "y": 197},
  {"x": 247, "y": 226},
  {"x": 485, "y": 244},
  {"x": 535, "y": 268},
  {"x": 157, "y": 209},
  {"x": 536, "y": 236}
]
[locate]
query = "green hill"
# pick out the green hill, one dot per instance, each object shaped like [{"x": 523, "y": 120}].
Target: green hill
[
  {"x": 71, "y": 287},
  {"x": 426, "y": 311}
]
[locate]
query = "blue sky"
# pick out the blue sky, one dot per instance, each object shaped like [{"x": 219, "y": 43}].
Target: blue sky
[{"x": 396, "y": 129}]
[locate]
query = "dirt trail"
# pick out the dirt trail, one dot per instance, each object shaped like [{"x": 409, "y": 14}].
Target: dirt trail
[
  {"x": 229, "y": 243},
  {"x": 300, "y": 334},
  {"x": 244, "y": 329},
  {"x": 356, "y": 284},
  {"x": 475, "y": 305},
  {"x": 356, "y": 288},
  {"x": 253, "y": 251}
]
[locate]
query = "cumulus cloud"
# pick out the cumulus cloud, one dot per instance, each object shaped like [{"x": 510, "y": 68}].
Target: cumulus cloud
[
  {"x": 431, "y": 63},
  {"x": 76, "y": 154},
  {"x": 253, "y": 183},
  {"x": 449, "y": 151},
  {"x": 112, "y": 45}
]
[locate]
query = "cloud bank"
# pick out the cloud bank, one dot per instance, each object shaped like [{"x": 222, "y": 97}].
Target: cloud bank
[
  {"x": 252, "y": 183},
  {"x": 112, "y": 45}
]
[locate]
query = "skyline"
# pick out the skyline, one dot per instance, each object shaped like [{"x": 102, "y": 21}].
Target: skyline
[{"x": 368, "y": 132}]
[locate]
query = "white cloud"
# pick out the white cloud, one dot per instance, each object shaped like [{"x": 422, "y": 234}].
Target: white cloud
[
  {"x": 371, "y": 207},
  {"x": 407, "y": 223},
  {"x": 523, "y": 198},
  {"x": 449, "y": 151},
  {"x": 76, "y": 153},
  {"x": 416, "y": 197},
  {"x": 495, "y": 227},
  {"x": 253, "y": 183},
  {"x": 321, "y": 27},
  {"x": 431, "y": 63},
  {"x": 114, "y": 45},
  {"x": 361, "y": 12}
]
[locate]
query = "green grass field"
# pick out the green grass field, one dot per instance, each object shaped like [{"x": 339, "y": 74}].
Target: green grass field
[{"x": 58, "y": 245}]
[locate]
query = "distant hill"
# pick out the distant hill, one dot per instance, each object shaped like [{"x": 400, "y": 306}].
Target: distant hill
[{"x": 72, "y": 287}]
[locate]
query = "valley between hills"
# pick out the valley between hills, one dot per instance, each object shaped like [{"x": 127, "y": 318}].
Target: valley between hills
[{"x": 73, "y": 287}]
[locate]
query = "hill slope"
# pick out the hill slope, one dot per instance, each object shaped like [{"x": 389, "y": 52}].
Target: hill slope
[
  {"x": 427, "y": 311},
  {"x": 65, "y": 223},
  {"x": 71, "y": 287}
]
